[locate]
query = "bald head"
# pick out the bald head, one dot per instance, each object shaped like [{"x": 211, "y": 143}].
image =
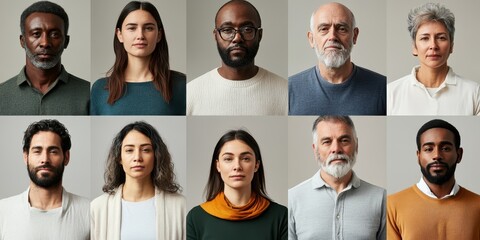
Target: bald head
[
  {"x": 240, "y": 5},
  {"x": 332, "y": 10}
]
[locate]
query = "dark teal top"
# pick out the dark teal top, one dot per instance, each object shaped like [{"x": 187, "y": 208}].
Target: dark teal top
[
  {"x": 270, "y": 225},
  {"x": 140, "y": 98},
  {"x": 68, "y": 96}
]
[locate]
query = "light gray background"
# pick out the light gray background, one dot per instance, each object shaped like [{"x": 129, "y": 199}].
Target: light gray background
[
  {"x": 402, "y": 166},
  {"x": 74, "y": 58},
  {"x": 370, "y": 50},
  {"x": 104, "y": 17},
  {"x": 370, "y": 165},
  {"x": 269, "y": 132},
  {"x": 104, "y": 129},
  {"x": 14, "y": 178},
  {"x": 202, "y": 48},
  {"x": 463, "y": 60}
]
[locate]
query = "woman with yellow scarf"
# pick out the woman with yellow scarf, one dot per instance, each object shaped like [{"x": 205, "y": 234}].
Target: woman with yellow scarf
[{"x": 237, "y": 205}]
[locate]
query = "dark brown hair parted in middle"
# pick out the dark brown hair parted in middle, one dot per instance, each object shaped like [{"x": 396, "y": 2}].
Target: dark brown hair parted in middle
[
  {"x": 215, "y": 183},
  {"x": 159, "y": 64}
]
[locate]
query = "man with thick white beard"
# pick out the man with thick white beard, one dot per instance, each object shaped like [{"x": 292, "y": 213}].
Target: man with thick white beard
[
  {"x": 335, "y": 203},
  {"x": 335, "y": 86}
]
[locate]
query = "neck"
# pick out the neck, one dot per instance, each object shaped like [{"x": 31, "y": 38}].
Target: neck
[
  {"x": 338, "y": 184},
  {"x": 238, "y": 197},
  {"x": 336, "y": 75},
  {"x": 240, "y": 73},
  {"x": 138, "y": 70},
  {"x": 137, "y": 190},
  {"x": 441, "y": 190},
  {"x": 42, "y": 78},
  {"x": 45, "y": 199},
  {"x": 432, "y": 77}
]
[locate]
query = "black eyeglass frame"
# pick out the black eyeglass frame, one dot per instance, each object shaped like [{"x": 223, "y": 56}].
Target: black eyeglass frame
[{"x": 239, "y": 30}]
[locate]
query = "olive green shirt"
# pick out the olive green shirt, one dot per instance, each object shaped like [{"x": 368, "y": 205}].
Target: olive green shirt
[{"x": 68, "y": 95}]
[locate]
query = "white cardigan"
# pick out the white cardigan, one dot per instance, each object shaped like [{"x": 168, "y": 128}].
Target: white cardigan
[{"x": 106, "y": 215}]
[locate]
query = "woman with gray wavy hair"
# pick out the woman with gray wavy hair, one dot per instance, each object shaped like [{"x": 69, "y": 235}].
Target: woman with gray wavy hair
[{"x": 432, "y": 88}]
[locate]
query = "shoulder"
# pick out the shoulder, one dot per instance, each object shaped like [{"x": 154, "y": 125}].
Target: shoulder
[
  {"x": 12, "y": 82},
  {"x": 374, "y": 189},
  {"x": 277, "y": 208},
  {"x": 301, "y": 76},
  {"x": 198, "y": 81},
  {"x": 177, "y": 197},
  {"x": 76, "y": 199},
  {"x": 400, "y": 196},
  {"x": 470, "y": 194},
  {"x": 195, "y": 213},
  {"x": 101, "y": 201},
  {"x": 78, "y": 81},
  {"x": 177, "y": 76},
  {"x": 299, "y": 190},
  {"x": 100, "y": 84},
  {"x": 469, "y": 84},
  {"x": 371, "y": 75},
  {"x": 400, "y": 82},
  {"x": 271, "y": 75},
  {"x": 11, "y": 202}
]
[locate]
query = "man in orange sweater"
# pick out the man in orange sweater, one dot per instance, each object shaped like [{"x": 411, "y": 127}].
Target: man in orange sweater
[{"x": 436, "y": 207}]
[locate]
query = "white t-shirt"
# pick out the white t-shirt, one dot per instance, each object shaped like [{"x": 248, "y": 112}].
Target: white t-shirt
[
  {"x": 20, "y": 221},
  {"x": 138, "y": 220}
]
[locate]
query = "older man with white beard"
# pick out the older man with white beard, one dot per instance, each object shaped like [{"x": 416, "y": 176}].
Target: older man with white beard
[
  {"x": 335, "y": 86},
  {"x": 335, "y": 203}
]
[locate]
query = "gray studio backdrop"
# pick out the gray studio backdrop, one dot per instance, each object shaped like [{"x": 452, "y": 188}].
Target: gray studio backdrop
[
  {"x": 371, "y": 162},
  {"x": 104, "y": 18},
  {"x": 370, "y": 50},
  {"x": 402, "y": 167},
  {"x": 202, "y": 49},
  {"x": 75, "y": 58},
  {"x": 463, "y": 60},
  {"x": 104, "y": 129},
  {"x": 14, "y": 178},
  {"x": 203, "y": 134}
]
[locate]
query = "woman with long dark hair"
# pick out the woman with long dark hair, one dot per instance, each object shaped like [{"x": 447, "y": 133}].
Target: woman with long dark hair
[
  {"x": 237, "y": 205},
  {"x": 141, "y": 199},
  {"x": 140, "y": 81}
]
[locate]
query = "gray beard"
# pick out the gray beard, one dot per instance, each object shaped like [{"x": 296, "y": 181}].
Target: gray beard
[
  {"x": 333, "y": 59},
  {"x": 44, "y": 65}
]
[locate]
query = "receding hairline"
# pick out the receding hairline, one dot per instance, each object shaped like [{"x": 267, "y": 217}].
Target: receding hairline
[
  {"x": 240, "y": 2},
  {"x": 343, "y": 7}
]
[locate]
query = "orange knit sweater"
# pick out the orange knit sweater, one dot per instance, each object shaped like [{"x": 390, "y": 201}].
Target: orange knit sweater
[{"x": 413, "y": 215}]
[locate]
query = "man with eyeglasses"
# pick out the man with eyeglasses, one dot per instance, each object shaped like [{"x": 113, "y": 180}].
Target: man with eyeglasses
[
  {"x": 238, "y": 86},
  {"x": 335, "y": 86}
]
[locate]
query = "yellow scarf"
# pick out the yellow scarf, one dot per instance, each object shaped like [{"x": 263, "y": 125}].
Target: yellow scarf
[{"x": 220, "y": 207}]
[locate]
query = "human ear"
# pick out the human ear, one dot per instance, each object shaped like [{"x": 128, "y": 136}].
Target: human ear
[{"x": 119, "y": 35}]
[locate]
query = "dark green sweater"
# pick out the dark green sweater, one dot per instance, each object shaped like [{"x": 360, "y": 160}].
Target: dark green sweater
[{"x": 271, "y": 224}]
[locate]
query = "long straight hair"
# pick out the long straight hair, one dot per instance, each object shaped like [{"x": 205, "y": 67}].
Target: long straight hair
[
  {"x": 215, "y": 183},
  {"x": 159, "y": 60}
]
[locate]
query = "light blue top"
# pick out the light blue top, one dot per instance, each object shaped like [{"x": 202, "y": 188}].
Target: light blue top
[
  {"x": 315, "y": 211},
  {"x": 140, "y": 98}
]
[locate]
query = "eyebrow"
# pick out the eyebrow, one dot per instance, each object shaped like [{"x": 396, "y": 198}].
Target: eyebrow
[
  {"x": 241, "y": 24},
  {"x": 243, "y": 153},
  {"x": 136, "y": 24},
  {"x": 141, "y": 145},
  {"x": 341, "y": 137},
  {"x": 441, "y": 143}
]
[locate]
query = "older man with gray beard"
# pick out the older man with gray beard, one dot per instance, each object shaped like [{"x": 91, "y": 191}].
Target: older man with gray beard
[
  {"x": 335, "y": 86},
  {"x": 335, "y": 203},
  {"x": 43, "y": 86}
]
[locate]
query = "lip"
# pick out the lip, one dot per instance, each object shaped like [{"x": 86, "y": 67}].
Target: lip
[
  {"x": 44, "y": 55},
  {"x": 237, "y": 177},
  {"x": 434, "y": 56},
  {"x": 137, "y": 168},
  {"x": 140, "y": 45}
]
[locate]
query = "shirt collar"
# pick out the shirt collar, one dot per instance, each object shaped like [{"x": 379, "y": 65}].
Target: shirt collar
[
  {"x": 22, "y": 77},
  {"x": 317, "y": 181},
  {"x": 422, "y": 185},
  {"x": 450, "y": 79},
  {"x": 65, "y": 199}
]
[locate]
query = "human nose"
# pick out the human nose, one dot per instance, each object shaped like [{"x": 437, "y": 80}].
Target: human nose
[
  {"x": 433, "y": 44},
  {"x": 237, "y": 36},
  {"x": 140, "y": 33},
  {"x": 137, "y": 156},
  {"x": 44, "y": 40},
  {"x": 44, "y": 157},
  {"x": 332, "y": 34},
  {"x": 336, "y": 148},
  {"x": 437, "y": 154},
  {"x": 236, "y": 165}
]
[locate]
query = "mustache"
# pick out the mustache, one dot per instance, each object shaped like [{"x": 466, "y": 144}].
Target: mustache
[
  {"x": 45, "y": 166},
  {"x": 229, "y": 49},
  {"x": 335, "y": 156},
  {"x": 44, "y": 52},
  {"x": 334, "y": 44},
  {"x": 437, "y": 163}
]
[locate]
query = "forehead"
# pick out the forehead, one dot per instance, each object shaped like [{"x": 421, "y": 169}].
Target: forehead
[
  {"x": 431, "y": 27},
  {"x": 237, "y": 14},
  {"x": 332, "y": 13},
  {"x": 44, "y": 20},
  {"x": 43, "y": 138},
  {"x": 236, "y": 147},
  {"x": 139, "y": 16},
  {"x": 437, "y": 135},
  {"x": 333, "y": 129},
  {"x": 135, "y": 136}
]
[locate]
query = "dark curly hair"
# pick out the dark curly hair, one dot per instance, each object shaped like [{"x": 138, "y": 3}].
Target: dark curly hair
[
  {"x": 47, "y": 125},
  {"x": 163, "y": 176}
]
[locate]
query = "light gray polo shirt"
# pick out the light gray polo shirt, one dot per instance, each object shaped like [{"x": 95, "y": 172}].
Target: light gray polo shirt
[{"x": 315, "y": 211}]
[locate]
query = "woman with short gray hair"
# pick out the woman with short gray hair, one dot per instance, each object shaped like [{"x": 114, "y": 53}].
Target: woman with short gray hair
[{"x": 432, "y": 88}]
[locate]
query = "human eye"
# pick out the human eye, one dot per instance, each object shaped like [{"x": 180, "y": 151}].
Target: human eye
[
  {"x": 342, "y": 29},
  {"x": 248, "y": 29},
  {"x": 147, "y": 150},
  {"x": 131, "y": 28},
  {"x": 427, "y": 149},
  {"x": 227, "y": 30},
  {"x": 345, "y": 140},
  {"x": 150, "y": 28},
  {"x": 128, "y": 150},
  {"x": 36, "y": 34},
  {"x": 446, "y": 148},
  {"x": 326, "y": 142},
  {"x": 36, "y": 151},
  {"x": 227, "y": 159}
]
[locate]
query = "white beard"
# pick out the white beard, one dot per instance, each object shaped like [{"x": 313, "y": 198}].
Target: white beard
[
  {"x": 341, "y": 169},
  {"x": 333, "y": 58}
]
